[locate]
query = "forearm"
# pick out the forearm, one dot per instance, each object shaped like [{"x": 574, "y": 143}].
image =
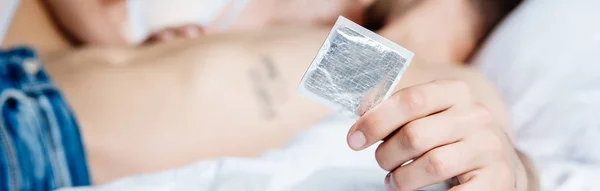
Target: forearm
[{"x": 87, "y": 21}]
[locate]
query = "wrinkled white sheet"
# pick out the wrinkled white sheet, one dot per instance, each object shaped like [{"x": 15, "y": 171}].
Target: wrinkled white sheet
[{"x": 317, "y": 159}]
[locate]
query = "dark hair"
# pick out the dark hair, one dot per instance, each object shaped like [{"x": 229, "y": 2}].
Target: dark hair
[
  {"x": 494, "y": 11},
  {"x": 491, "y": 12}
]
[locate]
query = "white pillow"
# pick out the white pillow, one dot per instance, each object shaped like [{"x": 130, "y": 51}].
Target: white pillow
[
  {"x": 7, "y": 11},
  {"x": 545, "y": 60}
]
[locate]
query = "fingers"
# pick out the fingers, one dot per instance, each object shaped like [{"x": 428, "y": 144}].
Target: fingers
[
  {"x": 186, "y": 31},
  {"x": 422, "y": 135},
  {"x": 189, "y": 31},
  {"x": 494, "y": 178},
  {"x": 464, "y": 159},
  {"x": 436, "y": 166},
  {"x": 404, "y": 106},
  {"x": 474, "y": 184},
  {"x": 446, "y": 134},
  {"x": 165, "y": 35}
]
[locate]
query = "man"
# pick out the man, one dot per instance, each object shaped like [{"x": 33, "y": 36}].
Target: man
[{"x": 184, "y": 101}]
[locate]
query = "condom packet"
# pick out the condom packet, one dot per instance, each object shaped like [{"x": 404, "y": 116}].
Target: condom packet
[{"x": 355, "y": 69}]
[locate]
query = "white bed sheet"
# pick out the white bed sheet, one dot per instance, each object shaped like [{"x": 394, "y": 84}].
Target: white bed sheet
[
  {"x": 545, "y": 60},
  {"x": 317, "y": 159}
]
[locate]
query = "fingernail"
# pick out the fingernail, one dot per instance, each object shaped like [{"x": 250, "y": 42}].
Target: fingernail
[
  {"x": 357, "y": 140},
  {"x": 389, "y": 185},
  {"x": 191, "y": 32},
  {"x": 167, "y": 35}
]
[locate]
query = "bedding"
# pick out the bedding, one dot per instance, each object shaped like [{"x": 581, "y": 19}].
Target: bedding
[
  {"x": 317, "y": 159},
  {"x": 545, "y": 60}
]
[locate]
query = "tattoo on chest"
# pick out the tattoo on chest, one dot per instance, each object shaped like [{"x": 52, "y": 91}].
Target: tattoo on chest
[{"x": 268, "y": 86}]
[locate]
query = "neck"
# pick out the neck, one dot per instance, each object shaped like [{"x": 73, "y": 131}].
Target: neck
[{"x": 436, "y": 30}]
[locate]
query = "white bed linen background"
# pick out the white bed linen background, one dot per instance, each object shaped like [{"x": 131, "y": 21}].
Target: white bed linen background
[
  {"x": 545, "y": 59},
  {"x": 317, "y": 159}
]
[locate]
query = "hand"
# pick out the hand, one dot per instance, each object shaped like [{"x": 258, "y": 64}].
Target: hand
[
  {"x": 446, "y": 133},
  {"x": 167, "y": 34}
]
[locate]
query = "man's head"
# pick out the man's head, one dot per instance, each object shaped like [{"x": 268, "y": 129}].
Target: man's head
[
  {"x": 446, "y": 30},
  {"x": 493, "y": 11}
]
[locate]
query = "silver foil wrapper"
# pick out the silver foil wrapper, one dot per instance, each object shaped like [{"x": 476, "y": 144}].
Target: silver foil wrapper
[{"x": 355, "y": 69}]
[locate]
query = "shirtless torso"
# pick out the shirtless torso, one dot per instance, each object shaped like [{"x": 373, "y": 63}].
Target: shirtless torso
[{"x": 152, "y": 108}]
